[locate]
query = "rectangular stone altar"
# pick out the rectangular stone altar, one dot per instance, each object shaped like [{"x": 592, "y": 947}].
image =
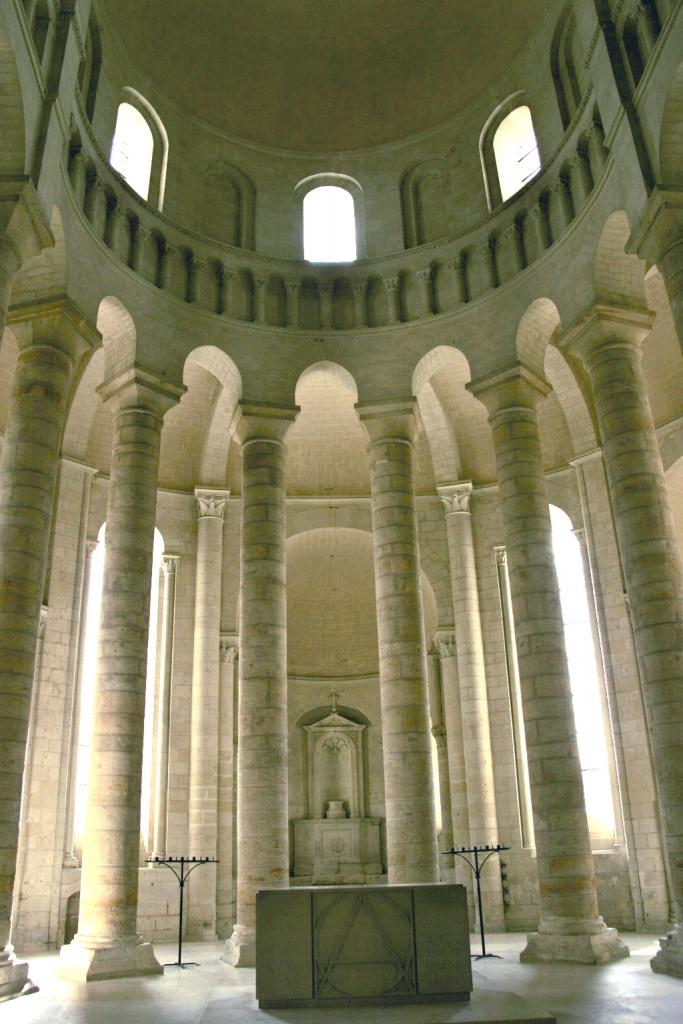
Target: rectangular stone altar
[{"x": 362, "y": 945}]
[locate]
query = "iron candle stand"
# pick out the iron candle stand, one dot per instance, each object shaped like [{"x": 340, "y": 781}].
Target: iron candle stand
[
  {"x": 476, "y": 869},
  {"x": 182, "y": 875}
]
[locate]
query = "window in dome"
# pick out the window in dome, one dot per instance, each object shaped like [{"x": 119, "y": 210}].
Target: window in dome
[
  {"x": 329, "y": 225},
  {"x": 132, "y": 149},
  {"x": 516, "y": 152}
]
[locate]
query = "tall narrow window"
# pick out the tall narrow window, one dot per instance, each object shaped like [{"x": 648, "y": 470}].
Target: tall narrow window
[
  {"x": 516, "y": 152},
  {"x": 88, "y": 685},
  {"x": 132, "y": 149},
  {"x": 583, "y": 675},
  {"x": 329, "y": 225}
]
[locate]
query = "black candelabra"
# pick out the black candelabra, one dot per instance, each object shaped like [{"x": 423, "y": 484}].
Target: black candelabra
[
  {"x": 476, "y": 866},
  {"x": 186, "y": 867}
]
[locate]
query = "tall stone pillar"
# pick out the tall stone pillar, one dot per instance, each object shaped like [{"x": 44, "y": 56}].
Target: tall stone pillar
[
  {"x": 483, "y": 825},
  {"x": 226, "y": 786},
  {"x": 262, "y": 807},
  {"x": 607, "y": 341},
  {"x": 107, "y": 944},
  {"x": 570, "y": 927},
  {"x": 203, "y": 817},
  {"x": 412, "y": 854},
  {"x": 169, "y": 565},
  {"x": 446, "y": 867},
  {"x": 54, "y": 342}
]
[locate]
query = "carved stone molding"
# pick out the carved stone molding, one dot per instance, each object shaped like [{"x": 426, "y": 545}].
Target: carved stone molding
[{"x": 456, "y": 497}]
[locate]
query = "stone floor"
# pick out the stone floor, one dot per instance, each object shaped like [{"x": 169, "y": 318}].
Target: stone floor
[{"x": 626, "y": 992}]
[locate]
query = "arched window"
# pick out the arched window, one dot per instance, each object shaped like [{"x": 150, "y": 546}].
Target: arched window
[
  {"x": 516, "y": 152},
  {"x": 585, "y": 684},
  {"x": 329, "y": 225},
  {"x": 132, "y": 149},
  {"x": 139, "y": 149},
  {"x": 88, "y": 683}
]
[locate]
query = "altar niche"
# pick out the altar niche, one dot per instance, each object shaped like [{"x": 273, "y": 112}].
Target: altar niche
[{"x": 336, "y": 844}]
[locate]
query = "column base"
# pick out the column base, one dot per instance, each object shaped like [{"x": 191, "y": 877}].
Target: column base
[
  {"x": 573, "y": 941},
  {"x": 88, "y": 960},
  {"x": 240, "y": 949},
  {"x": 669, "y": 959},
  {"x": 14, "y": 979}
]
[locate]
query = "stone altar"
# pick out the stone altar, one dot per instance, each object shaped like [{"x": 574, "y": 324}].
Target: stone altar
[{"x": 362, "y": 945}]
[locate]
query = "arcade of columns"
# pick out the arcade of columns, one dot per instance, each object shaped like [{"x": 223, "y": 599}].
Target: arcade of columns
[{"x": 54, "y": 344}]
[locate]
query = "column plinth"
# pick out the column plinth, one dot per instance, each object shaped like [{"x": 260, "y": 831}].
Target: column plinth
[
  {"x": 107, "y": 944},
  {"x": 570, "y": 926},
  {"x": 262, "y": 802},
  {"x": 53, "y": 341},
  {"x": 412, "y": 854},
  {"x": 608, "y": 343}
]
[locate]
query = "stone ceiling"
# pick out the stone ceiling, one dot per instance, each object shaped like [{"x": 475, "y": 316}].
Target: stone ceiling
[{"x": 317, "y": 75}]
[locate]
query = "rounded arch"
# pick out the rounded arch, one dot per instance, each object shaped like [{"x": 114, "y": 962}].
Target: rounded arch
[
  {"x": 536, "y": 327},
  {"x": 326, "y": 445},
  {"x": 582, "y": 428},
  {"x": 119, "y": 335},
  {"x": 336, "y": 180},
  {"x": 216, "y": 447},
  {"x": 671, "y": 132},
  {"x": 617, "y": 275},
  {"x": 425, "y": 195},
  {"x": 157, "y": 179},
  {"x": 12, "y": 125}
]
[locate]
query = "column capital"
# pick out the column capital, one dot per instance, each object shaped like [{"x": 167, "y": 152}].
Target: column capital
[
  {"x": 660, "y": 225},
  {"x": 229, "y": 647},
  {"x": 446, "y": 645},
  {"x": 500, "y": 553},
  {"x": 389, "y": 420},
  {"x": 456, "y": 497},
  {"x": 263, "y": 421},
  {"x": 138, "y": 388},
  {"x": 603, "y": 326},
  {"x": 515, "y": 388},
  {"x": 169, "y": 564},
  {"x": 57, "y": 323},
  {"x": 211, "y": 502},
  {"x": 439, "y": 734}
]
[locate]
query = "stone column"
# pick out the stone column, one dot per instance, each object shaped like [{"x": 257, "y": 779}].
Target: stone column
[
  {"x": 455, "y": 745},
  {"x": 292, "y": 289},
  {"x": 607, "y": 341},
  {"x": 107, "y": 944},
  {"x": 483, "y": 823},
  {"x": 412, "y": 854},
  {"x": 203, "y": 816},
  {"x": 169, "y": 565},
  {"x": 226, "y": 785},
  {"x": 54, "y": 341},
  {"x": 262, "y": 808},
  {"x": 446, "y": 867},
  {"x": 570, "y": 927}
]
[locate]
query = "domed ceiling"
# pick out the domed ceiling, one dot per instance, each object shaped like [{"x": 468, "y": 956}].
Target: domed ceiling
[{"x": 323, "y": 76}]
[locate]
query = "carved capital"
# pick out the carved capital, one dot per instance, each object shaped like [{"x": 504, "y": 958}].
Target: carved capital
[
  {"x": 391, "y": 283},
  {"x": 211, "y": 502},
  {"x": 456, "y": 497},
  {"x": 500, "y": 554},
  {"x": 228, "y": 649},
  {"x": 439, "y": 734},
  {"x": 447, "y": 647},
  {"x": 169, "y": 564}
]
